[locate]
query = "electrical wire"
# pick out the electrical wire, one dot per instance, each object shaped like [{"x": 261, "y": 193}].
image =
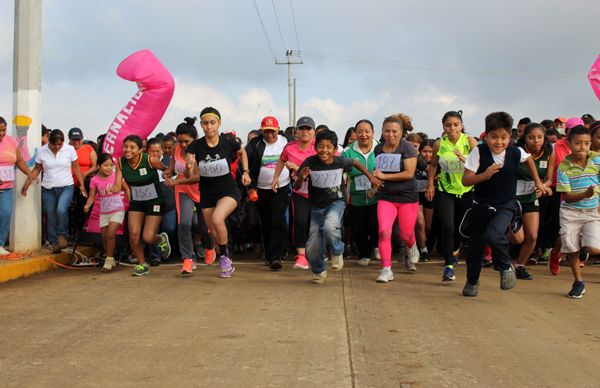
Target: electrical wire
[
  {"x": 294, "y": 20},
  {"x": 265, "y": 31},
  {"x": 278, "y": 25}
]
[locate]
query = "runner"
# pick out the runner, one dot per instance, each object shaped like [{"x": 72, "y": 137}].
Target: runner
[
  {"x": 139, "y": 171},
  {"x": 453, "y": 198},
  {"x": 210, "y": 158}
]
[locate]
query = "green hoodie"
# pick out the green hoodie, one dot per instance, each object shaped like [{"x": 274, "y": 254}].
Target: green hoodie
[{"x": 358, "y": 197}]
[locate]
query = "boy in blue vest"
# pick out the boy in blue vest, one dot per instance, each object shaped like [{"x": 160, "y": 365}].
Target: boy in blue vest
[{"x": 492, "y": 168}]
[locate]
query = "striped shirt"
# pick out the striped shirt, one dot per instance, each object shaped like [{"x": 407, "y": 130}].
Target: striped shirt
[{"x": 573, "y": 178}]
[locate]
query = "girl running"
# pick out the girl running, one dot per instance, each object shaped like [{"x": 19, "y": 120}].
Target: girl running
[
  {"x": 395, "y": 165},
  {"x": 453, "y": 198},
  {"x": 139, "y": 170},
  {"x": 209, "y": 158},
  {"x": 534, "y": 143},
  {"x": 112, "y": 209},
  {"x": 187, "y": 199}
]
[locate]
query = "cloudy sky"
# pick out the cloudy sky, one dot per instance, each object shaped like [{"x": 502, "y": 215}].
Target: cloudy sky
[{"x": 361, "y": 59}]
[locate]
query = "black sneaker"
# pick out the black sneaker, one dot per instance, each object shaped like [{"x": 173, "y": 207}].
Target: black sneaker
[
  {"x": 275, "y": 265},
  {"x": 507, "y": 279},
  {"x": 584, "y": 255},
  {"x": 471, "y": 290},
  {"x": 522, "y": 273},
  {"x": 424, "y": 257},
  {"x": 155, "y": 262},
  {"x": 577, "y": 290}
]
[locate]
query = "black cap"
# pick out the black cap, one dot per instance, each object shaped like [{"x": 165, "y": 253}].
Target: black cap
[
  {"x": 75, "y": 134},
  {"x": 305, "y": 121}
]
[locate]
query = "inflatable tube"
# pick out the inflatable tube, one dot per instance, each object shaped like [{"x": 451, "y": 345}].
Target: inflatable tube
[
  {"x": 143, "y": 112},
  {"x": 594, "y": 77}
]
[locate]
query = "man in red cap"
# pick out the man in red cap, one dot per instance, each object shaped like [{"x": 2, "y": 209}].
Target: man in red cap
[{"x": 263, "y": 153}]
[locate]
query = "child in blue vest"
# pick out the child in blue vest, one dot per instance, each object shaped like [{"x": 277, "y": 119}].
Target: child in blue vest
[{"x": 492, "y": 168}]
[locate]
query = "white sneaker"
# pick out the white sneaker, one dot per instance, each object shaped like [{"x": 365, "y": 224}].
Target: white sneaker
[
  {"x": 413, "y": 254},
  {"x": 337, "y": 262},
  {"x": 409, "y": 265},
  {"x": 376, "y": 255},
  {"x": 385, "y": 275},
  {"x": 364, "y": 261},
  {"x": 3, "y": 251},
  {"x": 109, "y": 264},
  {"x": 319, "y": 278}
]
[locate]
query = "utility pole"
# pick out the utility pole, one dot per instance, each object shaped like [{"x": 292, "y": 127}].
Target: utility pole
[
  {"x": 26, "y": 226},
  {"x": 291, "y": 98}
]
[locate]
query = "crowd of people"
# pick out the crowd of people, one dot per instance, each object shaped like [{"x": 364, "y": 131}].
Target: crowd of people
[{"x": 504, "y": 199}]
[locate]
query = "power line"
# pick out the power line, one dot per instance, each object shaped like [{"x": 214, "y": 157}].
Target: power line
[
  {"x": 278, "y": 25},
  {"x": 294, "y": 20},
  {"x": 431, "y": 67},
  {"x": 265, "y": 31}
]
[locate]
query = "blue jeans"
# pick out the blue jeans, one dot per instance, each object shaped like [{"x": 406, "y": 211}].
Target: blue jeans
[
  {"x": 6, "y": 207},
  {"x": 325, "y": 235},
  {"x": 56, "y": 203}
]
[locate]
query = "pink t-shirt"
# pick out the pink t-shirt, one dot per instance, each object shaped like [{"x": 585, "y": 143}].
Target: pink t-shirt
[
  {"x": 8, "y": 158},
  {"x": 109, "y": 203},
  {"x": 561, "y": 150},
  {"x": 293, "y": 153}
]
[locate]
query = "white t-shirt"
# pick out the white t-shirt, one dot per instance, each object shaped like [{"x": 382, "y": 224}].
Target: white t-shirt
[
  {"x": 472, "y": 162},
  {"x": 268, "y": 164},
  {"x": 57, "y": 168}
]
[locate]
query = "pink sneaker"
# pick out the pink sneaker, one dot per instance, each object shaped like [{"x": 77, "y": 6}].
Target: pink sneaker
[{"x": 301, "y": 262}]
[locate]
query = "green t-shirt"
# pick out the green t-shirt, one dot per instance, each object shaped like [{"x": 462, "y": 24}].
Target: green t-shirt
[
  {"x": 451, "y": 167},
  {"x": 143, "y": 181}
]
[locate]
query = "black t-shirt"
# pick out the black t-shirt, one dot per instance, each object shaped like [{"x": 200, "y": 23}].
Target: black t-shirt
[
  {"x": 393, "y": 163},
  {"x": 325, "y": 182},
  {"x": 214, "y": 165}
]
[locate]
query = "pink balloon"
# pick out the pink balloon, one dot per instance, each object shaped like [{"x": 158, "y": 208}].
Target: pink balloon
[
  {"x": 143, "y": 112},
  {"x": 594, "y": 77}
]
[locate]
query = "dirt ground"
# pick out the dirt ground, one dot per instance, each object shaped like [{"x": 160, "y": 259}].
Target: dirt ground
[{"x": 264, "y": 329}]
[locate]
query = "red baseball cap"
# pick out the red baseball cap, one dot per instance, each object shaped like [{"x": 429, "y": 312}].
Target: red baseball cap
[{"x": 269, "y": 122}]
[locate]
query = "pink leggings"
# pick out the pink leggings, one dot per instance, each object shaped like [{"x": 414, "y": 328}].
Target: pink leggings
[{"x": 407, "y": 218}]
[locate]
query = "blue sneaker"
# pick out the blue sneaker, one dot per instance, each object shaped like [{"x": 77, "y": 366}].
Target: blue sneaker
[
  {"x": 448, "y": 274},
  {"x": 577, "y": 290},
  {"x": 226, "y": 267}
]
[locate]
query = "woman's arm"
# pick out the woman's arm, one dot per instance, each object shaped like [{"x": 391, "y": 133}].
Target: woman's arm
[
  {"x": 551, "y": 168},
  {"x": 244, "y": 161},
  {"x": 278, "y": 170},
  {"x": 75, "y": 167},
  {"x": 118, "y": 179},
  {"x": 431, "y": 171},
  {"x": 94, "y": 168},
  {"x": 156, "y": 163},
  {"x": 22, "y": 165},
  {"x": 34, "y": 174}
]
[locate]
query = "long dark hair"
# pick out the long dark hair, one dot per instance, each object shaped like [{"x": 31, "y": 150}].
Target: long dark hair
[{"x": 522, "y": 142}]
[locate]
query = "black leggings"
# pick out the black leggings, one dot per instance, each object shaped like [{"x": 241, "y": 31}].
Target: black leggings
[
  {"x": 450, "y": 210},
  {"x": 301, "y": 215},
  {"x": 365, "y": 233}
]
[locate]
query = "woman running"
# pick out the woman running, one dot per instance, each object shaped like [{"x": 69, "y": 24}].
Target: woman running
[
  {"x": 453, "y": 198},
  {"x": 210, "y": 158}
]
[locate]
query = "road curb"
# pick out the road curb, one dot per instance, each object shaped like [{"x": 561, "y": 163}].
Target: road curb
[{"x": 15, "y": 269}]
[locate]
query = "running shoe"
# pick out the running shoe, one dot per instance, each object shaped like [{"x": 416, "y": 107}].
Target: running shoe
[
  {"x": 471, "y": 290},
  {"x": 226, "y": 267},
  {"x": 545, "y": 256},
  {"x": 337, "y": 262},
  {"x": 209, "y": 256},
  {"x": 385, "y": 275},
  {"x": 577, "y": 290},
  {"x": 275, "y": 265},
  {"x": 584, "y": 255},
  {"x": 413, "y": 254},
  {"x": 141, "y": 270},
  {"x": 410, "y": 266},
  {"x": 508, "y": 279},
  {"x": 364, "y": 261},
  {"x": 424, "y": 256},
  {"x": 376, "y": 255},
  {"x": 301, "y": 262},
  {"x": 522, "y": 273},
  {"x": 3, "y": 252},
  {"x": 319, "y": 278},
  {"x": 164, "y": 246},
  {"x": 109, "y": 264},
  {"x": 187, "y": 268},
  {"x": 554, "y": 262},
  {"x": 347, "y": 251},
  {"x": 155, "y": 261},
  {"x": 448, "y": 274}
]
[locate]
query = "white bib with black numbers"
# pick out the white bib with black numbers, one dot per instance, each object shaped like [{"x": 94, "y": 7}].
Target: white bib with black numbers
[
  {"x": 213, "y": 168},
  {"x": 111, "y": 204},
  {"x": 388, "y": 162},
  {"x": 144, "y": 193},
  {"x": 361, "y": 182},
  {"x": 326, "y": 179},
  {"x": 7, "y": 173},
  {"x": 525, "y": 187}
]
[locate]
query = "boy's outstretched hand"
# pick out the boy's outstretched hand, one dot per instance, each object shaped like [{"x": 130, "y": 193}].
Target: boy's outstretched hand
[{"x": 491, "y": 170}]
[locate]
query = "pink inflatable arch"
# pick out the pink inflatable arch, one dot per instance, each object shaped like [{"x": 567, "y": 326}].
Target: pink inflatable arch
[
  {"x": 594, "y": 77},
  {"x": 146, "y": 108}
]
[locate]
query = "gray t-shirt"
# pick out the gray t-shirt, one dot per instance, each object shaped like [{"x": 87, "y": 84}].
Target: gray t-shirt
[{"x": 392, "y": 163}]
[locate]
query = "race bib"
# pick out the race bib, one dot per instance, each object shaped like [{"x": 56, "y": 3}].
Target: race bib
[
  {"x": 543, "y": 164},
  {"x": 304, "y": 188},
  {"x": 326, "y": 179},
  {"x": 361, "y": 182},
  {"x": 111, "y": 204},
  {"x": 179, "y": 168},
  {"x": 7, "y": 173},
  {"x": 421, "y": 185},
  {"x": 214, "y": 168},
  {"x": 525, "y": 187},
  {"x": 452, "y": 165},
  {"x": 143, "y": 171},
  {"x": 388, "y": 162},
  {"x": 144, "y": 193}
]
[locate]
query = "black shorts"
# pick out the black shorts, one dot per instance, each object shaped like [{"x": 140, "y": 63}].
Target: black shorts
[
  {"x": 146, "y": 208},
  {"x": 427, "y": 204},
  {"x": 530, "y": 207},
  {"x": 209, "y": 200}
]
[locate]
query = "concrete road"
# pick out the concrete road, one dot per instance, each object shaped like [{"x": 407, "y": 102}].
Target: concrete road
[{"x": 265, "y": 329}]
